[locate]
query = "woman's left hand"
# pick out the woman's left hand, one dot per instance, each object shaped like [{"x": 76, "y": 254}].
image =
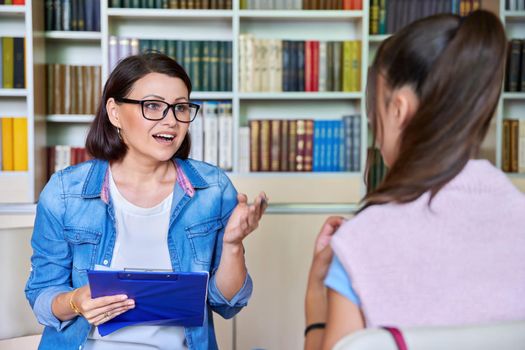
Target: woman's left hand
[{"x": 245, "y": 218}]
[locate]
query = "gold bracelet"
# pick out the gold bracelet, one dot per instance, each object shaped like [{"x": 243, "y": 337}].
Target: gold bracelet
[{"x": 72, "y": 304}]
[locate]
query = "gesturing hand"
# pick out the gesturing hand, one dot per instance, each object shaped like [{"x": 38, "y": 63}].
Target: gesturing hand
[
  {"x": 100, "y": 310},
  {"x": 245, "y": 218}
]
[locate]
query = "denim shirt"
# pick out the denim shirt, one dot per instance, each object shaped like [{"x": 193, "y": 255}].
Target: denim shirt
[{"x": 75, "y": 229}]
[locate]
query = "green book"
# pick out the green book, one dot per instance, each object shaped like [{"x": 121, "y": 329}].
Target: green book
[
  {"x": 179, "y": 52},
  {"x": 115, "y": 3},
  {"x": 196, "y": 65},
  {"x": 8, "y": 62},
  {"x": 223, "y": 74},
  {"x": 214, "y": 62},
  {"x": 187, "y": 58},
  {"x": 229, "y": 66},
  {"x": 144, "y": 45},
  {"x": 206, "y": 66},
  {"x": 171, "y": 49}
]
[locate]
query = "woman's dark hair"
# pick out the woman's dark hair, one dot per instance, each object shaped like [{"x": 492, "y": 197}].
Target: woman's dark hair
[
  {"x": 455, "y": 66},
  {"x": 103, "y": 140}
]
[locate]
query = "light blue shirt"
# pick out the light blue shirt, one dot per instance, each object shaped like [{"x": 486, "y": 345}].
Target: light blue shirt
[
  {"x": 75, "y": 230},
  {"x": 338, "y": 280}
]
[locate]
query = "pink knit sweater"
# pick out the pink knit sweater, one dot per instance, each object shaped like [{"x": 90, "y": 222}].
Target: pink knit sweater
[{"x": 461, "y": 261}]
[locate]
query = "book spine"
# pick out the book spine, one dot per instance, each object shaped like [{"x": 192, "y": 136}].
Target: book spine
[
  {"x": 514, "y": 139},
  {"x": 506, "y": 146},
  {"x": 255, "y": 134},
  {"x": 265, "y": 155},
  {"x": 521, "y": 146},
  {"x": 211, "y": 143},
  {"x": 315, "y": 66},
  {"x": 19, "y": 63},
  {"x": 283, "y": 147},
  {"x": 292, "y": 145},
  {"x": 244, "y": 149},
  {"x": 196, "y": 65},
  {"x": 197, "y": 136},
  {"x": 322, "y": 66},
  {"x": 8, "y": 62},
  {"x": 308, "y": 149},
  {"x": 20, "y": 144},
  {"x": 275, "y": 158},
  {"x": 7, "y": 144},
  {"x": 214, "y": 65},
  {"x": 300, "y": 148}
]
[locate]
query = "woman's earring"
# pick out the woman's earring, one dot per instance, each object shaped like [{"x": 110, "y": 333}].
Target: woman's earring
[{"x": 118, "y": 132}]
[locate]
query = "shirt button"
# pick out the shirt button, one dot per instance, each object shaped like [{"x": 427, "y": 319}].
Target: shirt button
[{"x": 106, "y": 262}]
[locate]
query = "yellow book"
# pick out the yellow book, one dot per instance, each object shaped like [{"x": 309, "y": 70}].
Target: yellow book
[
  {"x": 8, "y": 51},
  {"x": 355, "y": 54},
  {"x": 7, "y": 144},
  {"x": 20, "y": 144},
  {"x": 347, "y": 66}
]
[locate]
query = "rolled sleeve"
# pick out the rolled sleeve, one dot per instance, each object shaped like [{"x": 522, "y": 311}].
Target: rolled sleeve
[
  {"x": 42, "y": 308},
  {"x": 229, "y": 308},
  {"x": 51, "y": 260}
]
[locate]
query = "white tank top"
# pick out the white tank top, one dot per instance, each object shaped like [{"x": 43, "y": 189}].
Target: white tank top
[{"x": 142, "y": 242}]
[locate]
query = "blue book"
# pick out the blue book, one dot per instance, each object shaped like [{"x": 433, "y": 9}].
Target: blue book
[
  {"x": 356, "y": 142},
  {"x": 317, "y": 146},
  {"x": 161, "y": 298},
  {"x": 336, "y": 127},
  {"x": 329, "y": 146}
]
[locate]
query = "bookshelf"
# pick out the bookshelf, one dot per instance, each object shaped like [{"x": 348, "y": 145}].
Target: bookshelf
[
  {"x": 19, "y": 186},
  {"x": 512, "y": 104}
]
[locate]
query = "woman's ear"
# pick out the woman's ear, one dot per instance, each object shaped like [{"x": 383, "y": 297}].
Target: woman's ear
[
  {"x": 112, "y": 108},
  {"x": 405, "y": 103}
]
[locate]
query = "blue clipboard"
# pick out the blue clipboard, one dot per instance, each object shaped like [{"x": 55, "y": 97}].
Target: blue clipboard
[{"x": 161, "y": 298}]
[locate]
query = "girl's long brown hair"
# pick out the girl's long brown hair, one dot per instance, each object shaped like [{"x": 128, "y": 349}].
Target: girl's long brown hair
[{"x": 456, "y": 67}]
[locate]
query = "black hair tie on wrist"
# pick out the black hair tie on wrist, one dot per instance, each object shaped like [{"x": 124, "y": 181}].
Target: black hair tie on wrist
[{"x": 320, "y": 325}]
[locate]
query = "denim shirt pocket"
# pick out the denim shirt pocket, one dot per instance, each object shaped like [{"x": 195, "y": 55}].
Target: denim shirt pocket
[
  {"x": 83, "y": 243},
  {"x": 202, "y": 238}
]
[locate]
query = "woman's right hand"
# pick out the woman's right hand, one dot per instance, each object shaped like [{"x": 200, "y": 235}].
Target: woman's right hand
[{"x": 100, "y": 310}]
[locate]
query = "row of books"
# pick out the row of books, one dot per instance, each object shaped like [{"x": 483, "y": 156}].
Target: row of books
[
  {"x": 377, "y": 169},
  {"x": 72, "y": 15},
  {"x": 61, "y": 156},
  {"x": 73, "y": 89},
  {"x": 13, "y": 143},
  {"x": 174, "y": 4},
  {"x": 513, "y": 145},
  {"x": 208, "y": 63},
  {"x": 284, "y": 65},
  {"x": 302, "y": 4},
  {"x": 515, "y": 5},
  {"x": 388, "y": 16},
  {"x": 515, "y": 72},
  {"x": 305, "y": 145},
  {"x": 12, "y": 2},
  {"x": 212, "y": 134},
  {"x": 12, "y": 63}
]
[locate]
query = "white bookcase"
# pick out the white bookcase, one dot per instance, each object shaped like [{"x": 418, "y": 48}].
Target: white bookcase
[
  {"x": 20, "y": 186},
  {"x": 512, "y": 104}
]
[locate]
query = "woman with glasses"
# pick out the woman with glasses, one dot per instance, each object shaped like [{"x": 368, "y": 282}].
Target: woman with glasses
[{"x": 140, "y": 203}]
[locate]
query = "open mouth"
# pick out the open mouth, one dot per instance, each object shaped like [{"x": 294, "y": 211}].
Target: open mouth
[{"x": 164, "y": 137}]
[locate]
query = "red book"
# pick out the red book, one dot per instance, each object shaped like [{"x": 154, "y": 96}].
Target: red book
[
  {"x": 19, "y": 2},
  {"x": 358, "y": 5},
  {"x": 315, "y": 66},
  {"x": 308, "y": 66},
  {"x": 348, "y": 4}
]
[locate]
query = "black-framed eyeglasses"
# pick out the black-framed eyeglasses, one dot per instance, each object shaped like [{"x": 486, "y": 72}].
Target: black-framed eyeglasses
[{"x": 185, "y": 112}]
